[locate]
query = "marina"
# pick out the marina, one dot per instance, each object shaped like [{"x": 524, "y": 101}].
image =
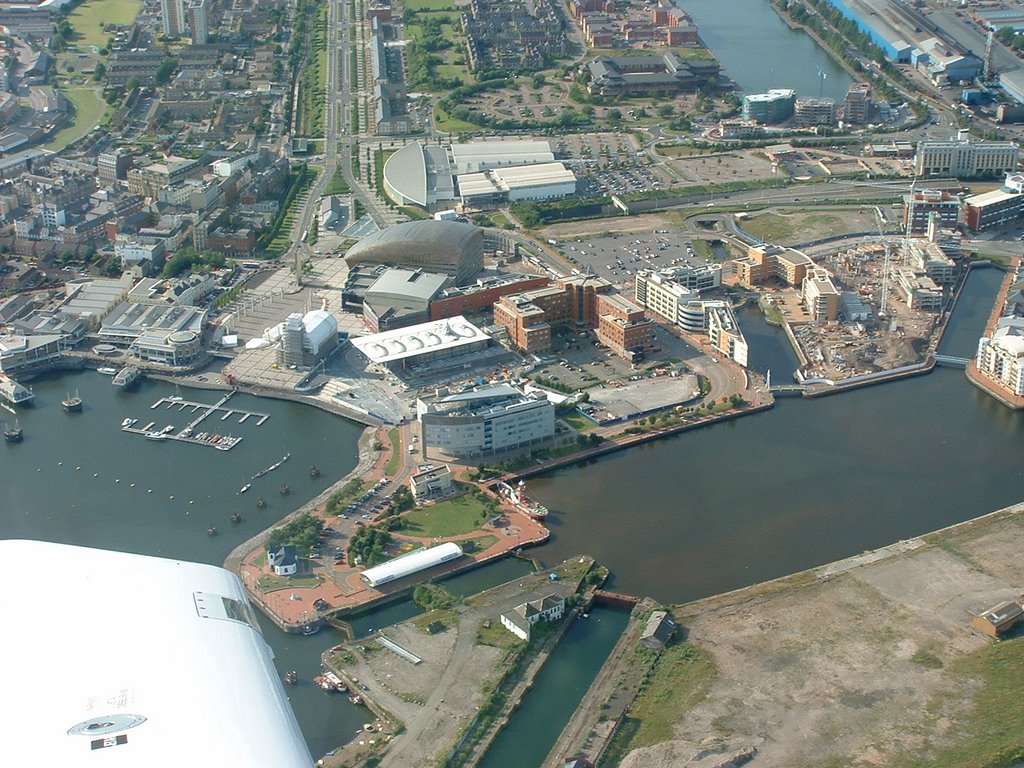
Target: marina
[{"x": 188, "y": 434}]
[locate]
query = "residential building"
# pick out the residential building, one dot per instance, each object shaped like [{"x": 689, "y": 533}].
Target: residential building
[
  {"x": 198, "y": 21},
  {"x": 820, "y": 295},
  {"x": 918, "y": 290},
  {"x": 173, "y": 17},
  {"x": 858, "y": 105},
  {"x": 112, "y": 166},
  {"x": 808, "y": 113},
  {"x": 579, "y": 302},
  {"x": 484, "y": 421},
  {"x": 523, "y": 617},
  {"x": 1001, "y": 356},
  {"x": 766, "y": 261}
]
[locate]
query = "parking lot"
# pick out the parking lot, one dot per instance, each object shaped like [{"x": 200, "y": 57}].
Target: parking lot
[{"x": 619, "y": 257}]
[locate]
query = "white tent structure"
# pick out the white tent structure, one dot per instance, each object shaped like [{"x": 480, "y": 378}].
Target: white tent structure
[{"x": 411, "y": 563}]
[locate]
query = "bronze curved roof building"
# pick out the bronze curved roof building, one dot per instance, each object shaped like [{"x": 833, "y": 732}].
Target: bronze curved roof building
[{"x": 451, "y": 247}]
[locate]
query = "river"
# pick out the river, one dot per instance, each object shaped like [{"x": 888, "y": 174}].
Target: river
[{"x": 759, "y": 51}]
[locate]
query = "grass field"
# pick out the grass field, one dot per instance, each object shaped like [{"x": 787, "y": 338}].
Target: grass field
[
  {"x": 89, "y": 109},
  {"x": 446, "y": 518},
  {"x": 992, "y": 733},
  {"x": 684, "y": 675},
  {"x": 770, "y": 227},
  {"x": 447, "y": 124},
  {"x": 429, "y": 5},
  {"x": 578, "y": 421},
  {"x": 88, "y": 19},
  {"x": 396, "y": 453}
]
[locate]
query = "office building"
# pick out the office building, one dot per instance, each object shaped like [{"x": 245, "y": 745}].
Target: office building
[
  {"x": 484, "y": 420},
  {"x": 919, "y": 207},
  {"x": 1002, "y": 207},
  {"x": 966, "y": 158},
  {"x": 820, "y": 295}
]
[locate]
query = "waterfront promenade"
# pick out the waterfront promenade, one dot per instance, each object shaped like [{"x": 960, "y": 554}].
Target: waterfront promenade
[{"x": 339, "y": 584}]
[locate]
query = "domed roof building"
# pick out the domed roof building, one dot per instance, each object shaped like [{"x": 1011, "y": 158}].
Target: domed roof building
[{"x": 452, "y": 247}]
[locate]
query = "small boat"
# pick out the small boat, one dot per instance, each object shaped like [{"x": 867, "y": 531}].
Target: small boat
[
  {"x": 13, "y": 434},
  {"x": 314, "y": 471},
  {"x": 324, "y": 683},
  {"x": 156, "y": 436},
  {"x": 285, "y": 490},
  {"x": 261, "y": 503},
  {"x": 291, "y": 677},
  {"x": 107, "y": 371},
  {"x": 245, "y": 488},
  {"x": 72, "y": 403},
  {"x": 236, "y": 518},
  {"x": 127, "y": 422},
  {"x": 272, "y": 467},
  {"x": 355, "y": 698},
  {"x": 310, "y": 629},
  {"x": 212, "y": 530},
  {"x": 168, "y": 429}
]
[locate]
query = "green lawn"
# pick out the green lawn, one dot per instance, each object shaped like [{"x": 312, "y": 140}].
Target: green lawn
[
  {"x": 770, "y": 227},
  {"x": 429, "y": 5},
  {"x": 88, "y": 112},
  {"x": 454, "y": 517},
  {"x": 578, "y": 421},
  {"x": 396, "y": 453},
  {"x": 682, "y": 677},
  {"x": 88, "y": 19},
  {"x": 447, "y": 124}
]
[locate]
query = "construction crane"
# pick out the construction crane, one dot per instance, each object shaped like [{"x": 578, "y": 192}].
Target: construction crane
[{"x": 883, "y": 302}]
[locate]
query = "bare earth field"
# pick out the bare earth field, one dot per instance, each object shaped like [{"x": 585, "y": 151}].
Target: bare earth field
[{"x": 868, "y": 662}]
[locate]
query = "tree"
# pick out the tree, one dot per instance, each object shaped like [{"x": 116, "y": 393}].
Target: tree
[
  {"x": 615, "y": 115},
  {"x": 100, "y": 71}
]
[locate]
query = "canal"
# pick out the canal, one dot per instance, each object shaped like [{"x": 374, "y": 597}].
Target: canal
[{"x": 759, "y": 51}]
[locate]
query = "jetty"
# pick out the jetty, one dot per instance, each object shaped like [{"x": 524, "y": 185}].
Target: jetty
[{"x": 199, "y": 412}]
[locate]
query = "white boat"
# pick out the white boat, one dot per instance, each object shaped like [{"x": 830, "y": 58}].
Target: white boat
[
  {"x": 245, "y": 488},
  {"x": 107, "y": 371},
  {"x": 127, "y": 376},
  {"x": 127, "y": 422},
  {"x": 156, "y": 436}
]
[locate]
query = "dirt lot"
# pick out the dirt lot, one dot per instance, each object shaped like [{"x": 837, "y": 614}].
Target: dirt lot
[{"x": 868, "y": 662}]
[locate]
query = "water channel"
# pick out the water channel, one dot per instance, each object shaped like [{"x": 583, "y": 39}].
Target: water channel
[{"x": 759, "y": 51}]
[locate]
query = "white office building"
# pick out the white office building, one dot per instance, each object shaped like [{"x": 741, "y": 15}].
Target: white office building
[
  {"x": 963, "y": 157},
  {"x": 484, "y": 420}
]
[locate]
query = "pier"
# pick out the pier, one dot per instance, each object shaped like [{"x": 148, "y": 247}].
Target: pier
[{"x": 200, "y": 411}]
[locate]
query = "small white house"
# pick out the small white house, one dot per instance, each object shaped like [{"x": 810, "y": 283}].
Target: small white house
[
  {"x": 283, "y": 560},
  {"x": 519, "y": 620}
]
